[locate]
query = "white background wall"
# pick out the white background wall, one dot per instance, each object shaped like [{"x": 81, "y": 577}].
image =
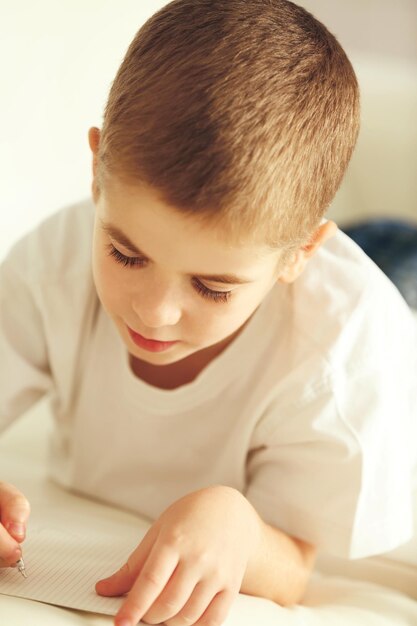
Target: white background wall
[{"x": 58, "y": 60}]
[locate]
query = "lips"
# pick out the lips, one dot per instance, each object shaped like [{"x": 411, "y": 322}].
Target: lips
[{"x": 153, "y": 345}]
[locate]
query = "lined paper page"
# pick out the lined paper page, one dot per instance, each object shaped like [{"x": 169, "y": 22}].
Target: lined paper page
[{"x": 63, "y": 567}]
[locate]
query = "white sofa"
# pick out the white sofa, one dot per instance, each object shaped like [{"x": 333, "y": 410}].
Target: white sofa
[{"x": 381, "y": 180}]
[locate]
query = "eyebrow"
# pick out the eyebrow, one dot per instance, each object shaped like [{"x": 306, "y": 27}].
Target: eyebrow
[{"x": 120, "y": 237}]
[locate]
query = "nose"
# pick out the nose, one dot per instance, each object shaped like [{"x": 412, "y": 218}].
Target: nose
[{"x": 158, "y": 306}]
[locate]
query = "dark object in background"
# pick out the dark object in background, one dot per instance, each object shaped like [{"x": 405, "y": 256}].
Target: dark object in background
[{"x": 392, "y": 245}]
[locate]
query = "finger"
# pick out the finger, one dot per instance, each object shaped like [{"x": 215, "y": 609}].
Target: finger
[
  {"x": 11, "y": 558},
  {"x": 218, "y": 608},
  {"x": 174, "y": 596},
  {"x": 14, "y": 511},
  {"x": 193, "y": 609},
  {"x": 152, "y": 579},
  {"x": 121, "y": 581},
  {"x": 10, "y": 551}
]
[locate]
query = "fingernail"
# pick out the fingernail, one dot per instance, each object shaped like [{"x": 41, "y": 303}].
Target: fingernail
[
  {"x": 17, "y": 555},
  {"x": 17, "y": 529},
  {"x": 124, "y": 622}
]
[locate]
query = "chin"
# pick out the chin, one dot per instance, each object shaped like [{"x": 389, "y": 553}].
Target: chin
[{"x": 158, "y": 358}]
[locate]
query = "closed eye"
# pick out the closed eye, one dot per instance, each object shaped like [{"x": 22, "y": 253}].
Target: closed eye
[{"x": 127, "y": 261}]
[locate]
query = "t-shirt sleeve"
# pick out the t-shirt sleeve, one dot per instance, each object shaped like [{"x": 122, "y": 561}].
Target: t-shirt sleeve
[
  {"x": 24, "y": 373},
  {"x": 333, "y": 466}
]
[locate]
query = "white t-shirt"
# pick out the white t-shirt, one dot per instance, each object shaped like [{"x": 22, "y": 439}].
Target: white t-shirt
[{"x": 309, "y": 412}]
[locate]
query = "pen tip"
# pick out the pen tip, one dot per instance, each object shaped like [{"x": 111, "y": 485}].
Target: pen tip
[{"x": 21, "y": 567}]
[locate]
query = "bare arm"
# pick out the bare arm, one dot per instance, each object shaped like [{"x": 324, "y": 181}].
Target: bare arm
[{"x": 280, "y": 568}]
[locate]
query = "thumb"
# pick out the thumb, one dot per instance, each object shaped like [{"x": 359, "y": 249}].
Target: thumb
[
  {"x": 14, "y": 511},
  {"x": 122, "y": 581},
  {"x": 118, "y": 583}
]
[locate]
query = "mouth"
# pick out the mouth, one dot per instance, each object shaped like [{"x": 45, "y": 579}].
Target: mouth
[{"x": 152, "y": 345}]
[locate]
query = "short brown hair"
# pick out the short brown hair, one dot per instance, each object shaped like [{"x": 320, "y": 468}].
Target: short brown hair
[{"x": 242, "y": 113}]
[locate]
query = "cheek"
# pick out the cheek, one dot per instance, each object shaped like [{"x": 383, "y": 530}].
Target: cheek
[
  {"x": 218, "y": 321},
  {"x": 107, "y": 279},
  {"x": 241, "y": 310}
]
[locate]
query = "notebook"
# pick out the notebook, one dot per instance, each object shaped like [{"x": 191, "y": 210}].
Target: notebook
[{"x": 62, "y": 566}]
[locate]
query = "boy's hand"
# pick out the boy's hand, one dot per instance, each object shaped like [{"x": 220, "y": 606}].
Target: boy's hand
[
  {"x": 189, "y": 567},
  {"x": 14, "y": 513}
]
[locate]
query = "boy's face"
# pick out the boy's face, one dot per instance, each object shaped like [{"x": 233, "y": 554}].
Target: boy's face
[{"x": 163, "y": 284}]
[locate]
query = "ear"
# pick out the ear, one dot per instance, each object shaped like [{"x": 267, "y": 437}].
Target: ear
[
  {"x": 296, "y": 266},
  {"x": 94, "y": 141}
]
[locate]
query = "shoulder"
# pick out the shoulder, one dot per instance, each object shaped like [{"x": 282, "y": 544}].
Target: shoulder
[
  {"x": 345, "y": 307},
  {"x": 48, "y": 301},
  {"x": 341, "y": 319},
  {"x": 60, "y": 245}
]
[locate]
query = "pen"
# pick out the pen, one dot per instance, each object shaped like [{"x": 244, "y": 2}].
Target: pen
[{"x": 21, "y": 567}]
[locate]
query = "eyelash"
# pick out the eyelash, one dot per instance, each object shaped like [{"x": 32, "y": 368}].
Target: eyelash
[{"x": 127, "y": 261}]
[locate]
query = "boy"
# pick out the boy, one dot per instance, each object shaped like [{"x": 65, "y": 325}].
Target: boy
[{"x": 228, "y": 365}]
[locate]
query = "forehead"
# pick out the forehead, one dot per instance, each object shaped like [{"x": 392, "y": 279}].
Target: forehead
[{"x": 140, "y": 213}]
